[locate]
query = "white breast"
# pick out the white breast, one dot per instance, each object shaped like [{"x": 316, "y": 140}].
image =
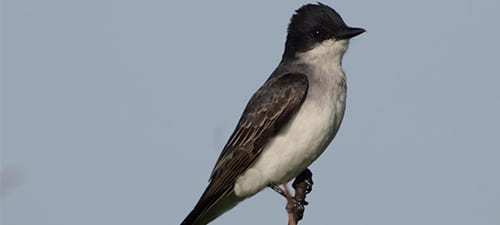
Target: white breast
[{"x": 310, "y": 131}]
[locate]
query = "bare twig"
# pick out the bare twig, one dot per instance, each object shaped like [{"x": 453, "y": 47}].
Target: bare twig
[
  {"x": 296, "y": 205},
  {"x": 290, "y": 206},
  {"x": 303, "y": 186}
]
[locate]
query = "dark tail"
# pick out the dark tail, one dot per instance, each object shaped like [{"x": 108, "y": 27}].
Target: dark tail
[
  {"x": 210, "y": 206},
  {"x": 195, "y": 214}
]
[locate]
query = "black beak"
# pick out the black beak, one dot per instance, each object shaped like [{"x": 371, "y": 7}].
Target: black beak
[{"x": 349, "y": 32}]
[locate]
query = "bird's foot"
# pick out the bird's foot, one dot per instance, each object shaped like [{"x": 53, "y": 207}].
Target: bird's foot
[
  {"x": 303, "y": 186},
  {"x": 297, "y": 208}
]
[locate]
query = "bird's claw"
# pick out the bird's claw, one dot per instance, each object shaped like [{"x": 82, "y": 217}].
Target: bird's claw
[
  {"x": 297, "y": 207},
  {"x": 305, "y": 177},
  {"x": 303, "y": 186}
]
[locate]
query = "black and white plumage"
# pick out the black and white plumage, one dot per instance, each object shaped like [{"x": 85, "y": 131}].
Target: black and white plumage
[{"x": 290, "y": 120}]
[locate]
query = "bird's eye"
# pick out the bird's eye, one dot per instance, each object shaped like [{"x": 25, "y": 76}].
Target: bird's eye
[{"x": 317, "y": 33}]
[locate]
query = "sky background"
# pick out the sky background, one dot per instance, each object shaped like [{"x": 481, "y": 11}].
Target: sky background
[{"x": 114, "y": 112}]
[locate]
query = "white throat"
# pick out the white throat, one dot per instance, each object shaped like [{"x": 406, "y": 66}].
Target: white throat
[
  {"x": 325, "y": 61},
  {"x": 327, "y": 53}
]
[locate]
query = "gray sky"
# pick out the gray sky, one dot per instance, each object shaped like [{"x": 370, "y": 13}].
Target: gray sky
[{"x": 114, "y": 112}]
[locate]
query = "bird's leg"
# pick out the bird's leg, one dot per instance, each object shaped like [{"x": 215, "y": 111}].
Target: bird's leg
[
  {"x": 293, "y": 206},
  {"x": 277, "y": 189},
  {"x": 302, "y": 185}
]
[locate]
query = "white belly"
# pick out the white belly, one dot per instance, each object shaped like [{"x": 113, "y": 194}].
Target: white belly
[{"x": 295, "y": 148}]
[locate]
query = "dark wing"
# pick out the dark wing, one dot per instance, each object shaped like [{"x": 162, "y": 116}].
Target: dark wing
[{"x": 265, "y": 114}]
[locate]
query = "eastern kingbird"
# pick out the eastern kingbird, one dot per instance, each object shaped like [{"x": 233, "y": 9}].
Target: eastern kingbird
[{"x": 290, "y": 120}]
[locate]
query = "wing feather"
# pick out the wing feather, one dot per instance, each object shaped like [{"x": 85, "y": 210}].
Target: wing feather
[{"x": 265, "y": 114}]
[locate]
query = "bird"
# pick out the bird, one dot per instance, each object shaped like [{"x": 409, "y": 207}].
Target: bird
[{"x": 290, "y": 120}]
